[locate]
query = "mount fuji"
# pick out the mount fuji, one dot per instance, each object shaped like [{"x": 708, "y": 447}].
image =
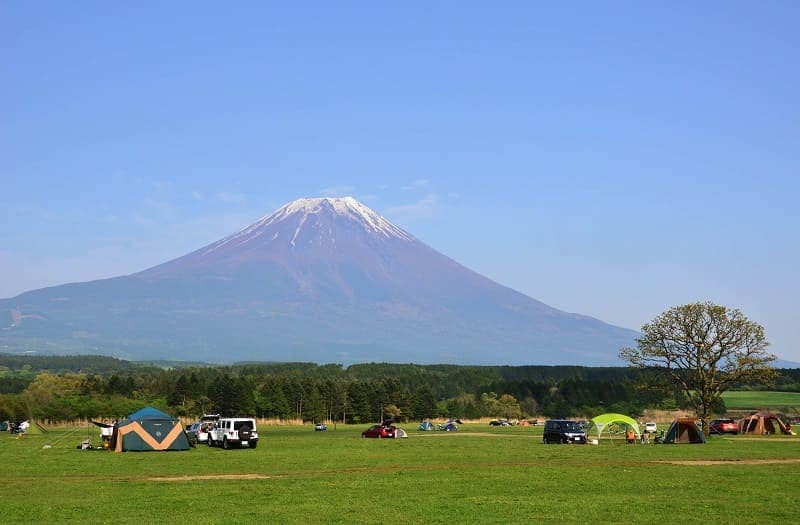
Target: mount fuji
[{"x": 323, "y": 280}]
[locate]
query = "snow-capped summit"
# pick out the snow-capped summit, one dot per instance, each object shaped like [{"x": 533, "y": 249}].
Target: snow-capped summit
[
  {"x": 303, "y": 230},
  {"x": 344, "y": 206},
  {"x": 322, "y": 279},
  {"x": 313, "y": 213}
]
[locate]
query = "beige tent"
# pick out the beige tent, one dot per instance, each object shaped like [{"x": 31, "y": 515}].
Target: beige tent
[{"x": 762, "y": 423}]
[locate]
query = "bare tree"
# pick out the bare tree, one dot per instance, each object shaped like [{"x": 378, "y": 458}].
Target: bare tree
[{"x": 706, "y": 349}]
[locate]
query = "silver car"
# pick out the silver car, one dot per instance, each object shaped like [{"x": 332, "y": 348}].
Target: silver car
[{"x": 198, "y": 432}]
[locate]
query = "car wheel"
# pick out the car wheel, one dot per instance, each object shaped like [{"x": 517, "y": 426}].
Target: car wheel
[
  {"x": 225, "y": 444},
  {"x": 253, "y": 444}
]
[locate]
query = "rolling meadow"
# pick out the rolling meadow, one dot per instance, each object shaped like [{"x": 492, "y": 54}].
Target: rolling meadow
[{"x": 478, "y": 474}]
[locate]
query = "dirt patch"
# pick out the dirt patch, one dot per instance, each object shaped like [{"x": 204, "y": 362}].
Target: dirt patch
[
  {"x": 707, "y": 462},
  {"x": 777, "y": 439},
  {"x": 211, "y": 477},
  {"x": 479, "y": 434}
]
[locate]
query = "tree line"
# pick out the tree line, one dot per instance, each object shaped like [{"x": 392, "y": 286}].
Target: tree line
[{"x": 89, "y": 387}]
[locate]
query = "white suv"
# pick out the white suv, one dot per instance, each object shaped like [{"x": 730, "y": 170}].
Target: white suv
[{"x": 233, "y": 432}]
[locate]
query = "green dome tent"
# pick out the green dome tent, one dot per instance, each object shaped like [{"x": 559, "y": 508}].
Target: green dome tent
[
  {"x": 149, "y": 429},
  {"x": 599, "y": 423}
]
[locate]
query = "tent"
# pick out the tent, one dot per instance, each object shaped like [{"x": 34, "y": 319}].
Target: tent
[
  {"x": 684, "y": 430},
  {"x": 35, "y": 428},
  {"x": 599, "y": 423},
  {"x": 147, "y": 430},
  {"x": 763, "y": 423}
]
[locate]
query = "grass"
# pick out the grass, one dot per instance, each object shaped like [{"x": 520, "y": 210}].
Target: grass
[
  {"x": 480, "y": 474},
  {"x": 761, "y": 400}
]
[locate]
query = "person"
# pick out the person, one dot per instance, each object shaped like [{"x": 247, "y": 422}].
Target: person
[
  {"x": 23, "y": 429},
  {"x": 630, "y": 436}
]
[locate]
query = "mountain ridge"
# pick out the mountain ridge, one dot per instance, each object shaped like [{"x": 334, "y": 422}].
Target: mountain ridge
[{"x": 324, "y": 279}]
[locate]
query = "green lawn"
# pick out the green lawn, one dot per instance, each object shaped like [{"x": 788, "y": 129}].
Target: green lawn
[
  {"x": 480, "y": 474},
  {"x": 761, "y": 400}
]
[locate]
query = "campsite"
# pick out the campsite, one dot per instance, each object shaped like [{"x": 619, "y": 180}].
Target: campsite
[{"x": 491, "y": 474}]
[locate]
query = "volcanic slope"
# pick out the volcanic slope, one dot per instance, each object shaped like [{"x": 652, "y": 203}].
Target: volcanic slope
[{"x": 324, "y": 280}]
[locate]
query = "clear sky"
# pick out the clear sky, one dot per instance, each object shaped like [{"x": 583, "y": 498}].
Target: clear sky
[{"x": 608, "y": 158}]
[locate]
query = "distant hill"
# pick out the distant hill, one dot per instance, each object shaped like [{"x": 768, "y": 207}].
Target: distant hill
[
  {"x": 761, "y": 400},
  {"x": 87, "y": 364},
  {"x": 322, "y": 280}
]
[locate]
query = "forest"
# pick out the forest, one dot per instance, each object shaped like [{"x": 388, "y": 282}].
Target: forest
[{"x": 68, "y": 388}]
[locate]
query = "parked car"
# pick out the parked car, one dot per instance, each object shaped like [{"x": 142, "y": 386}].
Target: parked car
[
  {"x": 320, "y": 427},
  {"x": 234, "y": 432},
  {"x": 197, "y": 432},
  {"x": 499, "y": 423},
  {"x": 723, "y": 426},
  {"x": 379, "y": 431},
  {"x": 563, "y": 431},
  {"x": 650, "y": 427},
  {"x": 209, "y": 418}
]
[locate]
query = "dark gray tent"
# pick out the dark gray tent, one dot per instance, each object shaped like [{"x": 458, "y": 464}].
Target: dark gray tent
[{"x": 684, "y": 430}]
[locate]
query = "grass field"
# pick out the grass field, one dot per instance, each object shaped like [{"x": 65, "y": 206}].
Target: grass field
[
  {"x": 761, "y": 400},
  {"x": 480, "y": 474}
]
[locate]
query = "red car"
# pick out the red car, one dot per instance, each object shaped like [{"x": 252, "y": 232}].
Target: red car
[
  {"x": 379, "y": 431},
  {"x": 723, "y": 426}
]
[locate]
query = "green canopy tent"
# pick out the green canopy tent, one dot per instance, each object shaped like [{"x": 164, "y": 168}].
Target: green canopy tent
[
  {"x": 149, "y": 429},
  {"x": 35, "y": 428},
  {"x": 601, "y": 422}
]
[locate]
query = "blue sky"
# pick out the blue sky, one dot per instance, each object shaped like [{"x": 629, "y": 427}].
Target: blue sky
[{"x": 612, "y": 159}]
